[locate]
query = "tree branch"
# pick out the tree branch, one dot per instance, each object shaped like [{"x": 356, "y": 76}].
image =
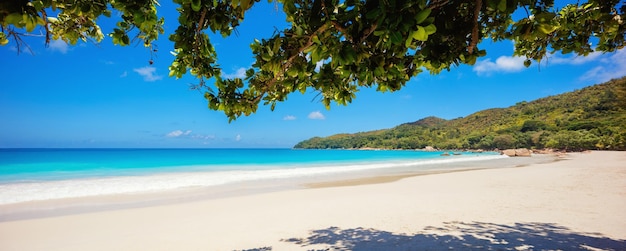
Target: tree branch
[
  {"x": 336, "y": 24},
  {"x": 289, "y": 61},
  {"x": 44, "y": 16},
  {"x": 368, "y": 32},
  {"x": 474, "y": 41},
  {"x": 18, "y": 40},
  {"x": 343, "y": 30},
  {"x": 437, "y": 4},
  {"x": 199, "y": 29}
]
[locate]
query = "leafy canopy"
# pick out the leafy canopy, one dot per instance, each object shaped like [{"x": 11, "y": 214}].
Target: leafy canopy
[{"x": 331, "y": 46}]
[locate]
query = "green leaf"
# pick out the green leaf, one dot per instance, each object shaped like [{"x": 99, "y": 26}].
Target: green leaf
[
  {"x": 291, "y": 72},
  {"x": 316, "y": 39},
  {"x": 502, "y": 5},
  {"x": 3, "y": 39},
  {"x": 315, "y": 55},
  {"x": 422, "y": 15},
  {"x": 15, "y": 19},
  {"x": 420, "y": 34},
  {"x": 547, "y": 29},
  {"x": 544, "y": 17},
  {"x": 30, "y": 22},
  {"x": 37, "y": 4},
  {"x": 430, "y": 29},
  {"x": 396, "y": 37},
  {"x": 196, "y": 5},
  {"x": 471, "y": 60},
  {"x": 249, "y": 73},
  {"x": 422, "y": 4},
  {"x": 409, "y": 40},
  {"x": 372, "y": 14},
  {"x": 309, "y": 49},
  {"x": 85, "y": 8},
  {"x": 527, "y": 62},
  {"x": 245, "y": 4}
]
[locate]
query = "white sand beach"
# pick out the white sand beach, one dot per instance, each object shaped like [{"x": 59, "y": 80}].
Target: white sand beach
[{"x": 577, "y": 203}]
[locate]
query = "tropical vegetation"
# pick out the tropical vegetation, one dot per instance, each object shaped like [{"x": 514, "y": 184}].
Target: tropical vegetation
[
  {"x": 590, "y": 118},
  {"x": 333, "y": 47}
]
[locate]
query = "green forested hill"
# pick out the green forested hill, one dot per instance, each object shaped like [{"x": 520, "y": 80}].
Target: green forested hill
[{"x": 590, "y": 118}]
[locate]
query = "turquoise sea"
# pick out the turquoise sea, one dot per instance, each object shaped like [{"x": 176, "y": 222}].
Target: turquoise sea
[{"x": 42, "y": 174}]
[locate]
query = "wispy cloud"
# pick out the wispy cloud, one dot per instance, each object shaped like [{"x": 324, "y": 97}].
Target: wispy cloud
[
  {"x": 316, "y": 115},
  {"x": 573, "y": 60},
  {"x": 289, "y": 117},
  {"x": 238, "y": 137},
  {"x": 505, "y": 64},
  {"x": 177, "y": 133},
  {"x": 203, "y": 137},
  {"x": 187, "y": 134},
  {"x": 613, "y": 66},
  {"x": 58, "y": 46},
  {"x": 239, "y": 73},
  {"x": 148, "y": 73},
  {"x": 502, "y": 64},
  {"x": 124, "y": 74}
]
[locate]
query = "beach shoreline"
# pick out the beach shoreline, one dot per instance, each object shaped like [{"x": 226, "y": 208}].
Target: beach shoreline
[
  {"x": 577, "y": 202},
  {"x": 35, "y": 176},
  {"x": 97, "y": 203}
]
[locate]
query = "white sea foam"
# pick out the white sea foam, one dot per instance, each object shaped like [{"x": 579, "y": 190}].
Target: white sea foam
[{"x": 37, "y": 191}]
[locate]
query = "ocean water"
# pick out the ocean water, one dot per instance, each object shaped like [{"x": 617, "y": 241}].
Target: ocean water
[{"x": 44, "y": 174}]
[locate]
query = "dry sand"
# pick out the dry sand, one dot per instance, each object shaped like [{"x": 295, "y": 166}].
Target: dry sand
[{"x": 578, "y": 203}]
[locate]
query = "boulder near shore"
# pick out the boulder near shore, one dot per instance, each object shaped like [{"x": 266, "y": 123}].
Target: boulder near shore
[{"x": 520, "y": 152}]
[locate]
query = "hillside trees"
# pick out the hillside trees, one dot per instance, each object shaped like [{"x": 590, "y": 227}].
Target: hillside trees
[
  {"x": 591, "y": 118},
  {"x": 330, "y": 46}
]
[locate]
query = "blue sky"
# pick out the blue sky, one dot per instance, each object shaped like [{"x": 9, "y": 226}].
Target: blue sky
[{"x": 101, "y": 95}]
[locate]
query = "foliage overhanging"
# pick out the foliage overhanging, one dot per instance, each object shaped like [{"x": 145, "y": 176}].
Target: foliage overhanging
[{"x": 333, "y": 47}]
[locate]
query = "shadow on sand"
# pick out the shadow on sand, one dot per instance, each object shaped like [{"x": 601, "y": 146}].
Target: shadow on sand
[{"x": 459, "y": 236}]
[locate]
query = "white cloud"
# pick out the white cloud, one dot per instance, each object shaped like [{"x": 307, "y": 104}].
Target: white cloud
[
  {"x": 289, "y": 117},
  {"x": 187, "y": 135},
  {"x": 573, "y": 60},
  {"x": 612, "y": 67},
  {"x": 238, "y": 137},
  {"x": 502, "y": 64},
  {"x": 177, "y": 133},
  {"x": 203, "y": 137},
  {"x": 58, "y": 46},
  {"x": 148, "y": 73},
  {"x": 516, "y": 64},
  {"x": 316, "y": 115},
  {"x": 239, "y": 73},
  {"x": 124, "y": 74}
]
